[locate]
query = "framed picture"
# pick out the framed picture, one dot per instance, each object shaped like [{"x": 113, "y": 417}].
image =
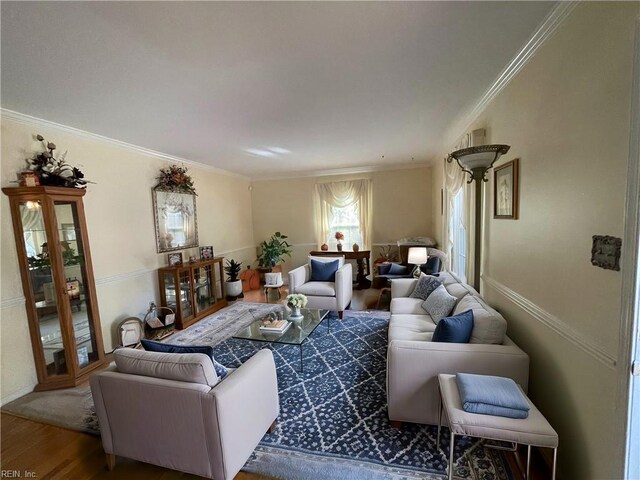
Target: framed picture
[
  {"x": 505, "y": 190},
  {"x": 175, "y": 259},
  {"x": 605, "y": 252},
  {"x": 175, "y": 219},
  {"x": 206, "y": 253}
]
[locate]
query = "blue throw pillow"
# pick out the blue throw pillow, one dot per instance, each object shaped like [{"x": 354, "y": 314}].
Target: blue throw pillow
[
  {"x": 397, "y": 269},
  {"x": 151, "y": 346},
  {"x": 383, "y": 268},
  {"x": 324, "y": 271},
  {"x": 432, "y": 267},
  {"x": 455, "y": 329}
]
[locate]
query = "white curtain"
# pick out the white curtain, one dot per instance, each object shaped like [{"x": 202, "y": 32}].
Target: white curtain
[
  {"x": 455, "y": 180},
  {"x": 341, "y": 195}
]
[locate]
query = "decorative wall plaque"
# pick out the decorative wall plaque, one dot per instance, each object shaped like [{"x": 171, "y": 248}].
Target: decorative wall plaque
[{"x": 605, "y": 252}]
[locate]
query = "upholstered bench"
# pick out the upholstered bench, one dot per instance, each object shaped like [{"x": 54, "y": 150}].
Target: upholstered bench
[{"x": 533, "y": 430}]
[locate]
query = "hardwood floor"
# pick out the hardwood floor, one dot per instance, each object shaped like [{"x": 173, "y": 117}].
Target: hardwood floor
[{"x": 37, "y": 450}]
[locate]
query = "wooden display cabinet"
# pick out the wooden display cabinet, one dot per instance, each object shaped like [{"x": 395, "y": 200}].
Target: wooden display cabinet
[
  {"x": 52, "y": 243},
  {"x": 192, "y": 290}
]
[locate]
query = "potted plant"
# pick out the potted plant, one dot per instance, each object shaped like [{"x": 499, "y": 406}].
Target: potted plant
[
  {"x": 233, "y": 285},
  {"x": 273, "y": 251}
]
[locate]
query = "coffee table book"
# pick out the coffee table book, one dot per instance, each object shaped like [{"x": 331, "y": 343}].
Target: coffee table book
[{"x": 279, "y": 326}]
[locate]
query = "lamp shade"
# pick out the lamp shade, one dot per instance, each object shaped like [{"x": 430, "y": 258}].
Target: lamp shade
[
  {"x": 417, "y": 255},
  {"x": 482, "y": 156}
]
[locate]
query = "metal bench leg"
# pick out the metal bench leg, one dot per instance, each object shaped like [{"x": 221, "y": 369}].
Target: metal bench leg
[
  {"x": 555, "y": 457},
  {"x": 439, "y": 422},
  {"x": 453, "y": 439},
  {"x": 528, "y": 460}
]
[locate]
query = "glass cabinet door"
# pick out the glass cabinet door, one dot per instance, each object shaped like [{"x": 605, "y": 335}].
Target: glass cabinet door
[
  {"x": 170, "y": 290},
  {"x": 186, "y": 302},
  {"x": 75, "y": 277},
  {"x": 203, "y": 287},
  {"x": 43, "y": 287}
]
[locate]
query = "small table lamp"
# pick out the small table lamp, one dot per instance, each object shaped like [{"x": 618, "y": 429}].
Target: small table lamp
[{"x": 417, "y": 256}]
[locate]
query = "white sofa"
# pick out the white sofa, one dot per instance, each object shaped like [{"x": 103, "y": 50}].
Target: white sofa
[
  {"x": 414, "y": 361},
  {"x": 326, "y": 295}
]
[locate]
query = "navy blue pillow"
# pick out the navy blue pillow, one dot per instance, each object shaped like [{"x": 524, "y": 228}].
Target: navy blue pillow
[
  {"x": 431, "y": 267},
  {"x": 383, "y": 268},
  {"x": 455, "y": 329},
  {"x": 324, "y": 271},
  {"x": 397, "y": 269},
  {"x": 152, "y": 346}
]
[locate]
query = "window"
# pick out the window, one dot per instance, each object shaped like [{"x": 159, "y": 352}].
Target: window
[
  {"x": 347, "y": 221},
  {"x": 458, "y": 243},
  {"x": 344, "y": 207}
]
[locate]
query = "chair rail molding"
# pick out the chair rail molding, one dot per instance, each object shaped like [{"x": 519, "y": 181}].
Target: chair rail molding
[{"x": 554, "y": 323}]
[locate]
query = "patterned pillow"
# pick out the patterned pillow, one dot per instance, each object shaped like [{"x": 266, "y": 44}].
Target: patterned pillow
[
  {"x": 426, "y": 285},
  {"x": 439, "y": 304}
]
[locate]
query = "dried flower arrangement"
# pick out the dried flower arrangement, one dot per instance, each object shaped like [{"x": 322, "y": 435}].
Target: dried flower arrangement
[
  {"x": 55, "y": 171},
  {"x": 339, "y": 236},
  {"x": 175, "y": 179}
]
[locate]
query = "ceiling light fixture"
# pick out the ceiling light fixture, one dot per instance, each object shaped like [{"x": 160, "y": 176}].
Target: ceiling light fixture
[{"x": 476, "y": 161}]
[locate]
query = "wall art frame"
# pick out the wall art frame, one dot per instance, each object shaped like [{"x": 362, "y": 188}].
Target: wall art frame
[
  {"x": 176, "y": 220},
  {"x": 506, "y": 186}
]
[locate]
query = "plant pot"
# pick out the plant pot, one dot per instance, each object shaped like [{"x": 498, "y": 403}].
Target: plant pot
[{"x": 234, "y": 289}]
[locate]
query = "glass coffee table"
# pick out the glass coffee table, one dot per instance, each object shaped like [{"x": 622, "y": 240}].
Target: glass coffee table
[{"x": 296, "y": 334}]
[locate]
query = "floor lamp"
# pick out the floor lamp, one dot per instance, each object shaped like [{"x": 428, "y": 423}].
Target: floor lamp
[{"x": 476, "y": 161}]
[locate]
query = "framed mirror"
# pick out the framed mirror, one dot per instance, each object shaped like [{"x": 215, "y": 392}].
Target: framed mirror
[{"x": 176, "y": 220}]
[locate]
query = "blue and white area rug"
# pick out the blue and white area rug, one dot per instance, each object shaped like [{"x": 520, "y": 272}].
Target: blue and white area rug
[{"x": 333, "y": 418}]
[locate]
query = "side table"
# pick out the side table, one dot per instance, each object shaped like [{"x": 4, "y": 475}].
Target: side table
[
  {"x": 275, "y": 286},
  {"x": 533, "y": 430}
]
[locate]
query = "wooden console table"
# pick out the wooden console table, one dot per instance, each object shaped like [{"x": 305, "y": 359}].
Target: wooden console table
[{"x": 362, "y": 260}]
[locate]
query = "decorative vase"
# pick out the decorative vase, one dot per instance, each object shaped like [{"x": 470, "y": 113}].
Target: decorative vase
[
  {"x": 324, "y": 247},
  {"x": 339, "y": 247},
  {"x": 356, "y": 247},
  {"x": 295, "y": 313}
]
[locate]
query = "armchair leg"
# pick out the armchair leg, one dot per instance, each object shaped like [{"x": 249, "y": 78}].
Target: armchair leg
[
  {"x": 111, "y": 461},
  {"x": 272, "y": 428}
]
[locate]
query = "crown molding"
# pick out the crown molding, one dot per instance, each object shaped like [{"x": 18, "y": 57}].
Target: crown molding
[
  {"x": 343, "y": 171},
  {"x": 554, "y": 323},
  {"x": 544, "y": 32},
  {"x": 25, "y": 119}
]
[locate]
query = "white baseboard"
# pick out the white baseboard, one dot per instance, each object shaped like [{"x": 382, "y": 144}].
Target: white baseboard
[
  {"x": 14, "y": 396},
  {"x": 554, "y": 323}
]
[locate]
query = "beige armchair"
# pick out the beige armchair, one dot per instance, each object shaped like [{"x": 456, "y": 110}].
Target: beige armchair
[
  {"x": 170, "y": 410},
  {"x": 327, "y": 295}
]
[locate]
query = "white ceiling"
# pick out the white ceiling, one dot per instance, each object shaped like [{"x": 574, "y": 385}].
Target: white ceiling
[{"x": 319, "y": 86}]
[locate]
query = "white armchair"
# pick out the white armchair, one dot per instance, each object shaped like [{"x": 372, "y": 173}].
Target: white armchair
[
  {"x": 169, "y": 409},
  {"x": 326, "y": 295}
]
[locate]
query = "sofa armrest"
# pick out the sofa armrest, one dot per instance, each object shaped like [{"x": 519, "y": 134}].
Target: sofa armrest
[
  {"x": 298, "y": 276},
  {"x": 402, "y": 287},
  {"x": 344, "y": 286},
  {"x": 246, "y": 404},
  {"x": 413, "y": 368}
]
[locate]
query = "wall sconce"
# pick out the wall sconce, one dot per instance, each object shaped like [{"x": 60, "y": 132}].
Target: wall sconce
[{"x": 476, "y": 161}]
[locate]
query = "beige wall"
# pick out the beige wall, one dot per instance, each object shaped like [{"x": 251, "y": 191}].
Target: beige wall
[
  {"x": 121, "y": 228},
  {"x": 566, "y": 116},
  {"x": 401, "y": 206}
]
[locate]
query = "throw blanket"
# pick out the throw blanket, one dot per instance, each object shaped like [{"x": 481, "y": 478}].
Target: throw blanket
[{"x": 489, "y": 395}]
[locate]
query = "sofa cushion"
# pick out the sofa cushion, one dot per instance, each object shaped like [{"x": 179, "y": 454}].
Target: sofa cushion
[
  {"x": 182, "y": 367},
  {"x": 151, "y": 346},
  {"x": 439, "y": 304},
  {"x": 411, "y": 327},
  {"x": 318, "y": 289},
  {"x": 455, "y": 329},
  {"x": 323, "y": 271},
  {"x": 406, "y": 305},
  {"x": 458, "y": 290},
  {"x": 488, "y": 325},
  {"x": 426, "y": 284}
]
